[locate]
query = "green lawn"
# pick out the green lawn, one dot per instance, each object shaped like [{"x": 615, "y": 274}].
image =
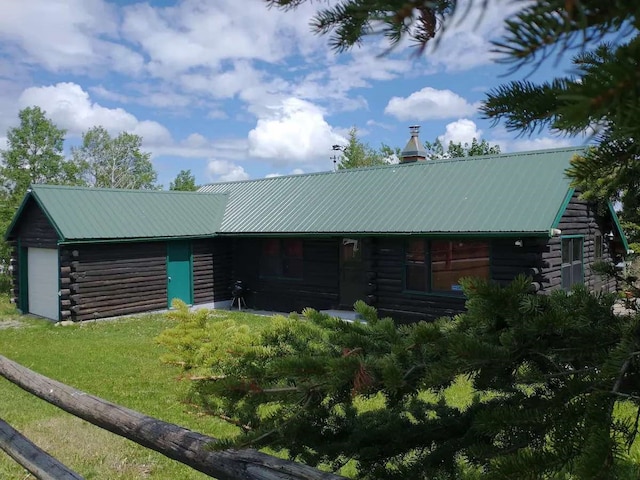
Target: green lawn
[
  {"x": 116, "y": 360},
  {"x": 119, "y": 361}
]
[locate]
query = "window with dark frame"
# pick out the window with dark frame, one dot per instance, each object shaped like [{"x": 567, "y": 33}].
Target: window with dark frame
[
  {"x": 437, "y": 266},
  {"x": 281, "y": 257},
  {"x": 572, "y": 262},
  {"x": 597, "y": 247}
]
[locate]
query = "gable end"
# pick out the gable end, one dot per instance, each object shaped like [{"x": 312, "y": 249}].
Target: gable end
[{"x": 32, "y": 227}]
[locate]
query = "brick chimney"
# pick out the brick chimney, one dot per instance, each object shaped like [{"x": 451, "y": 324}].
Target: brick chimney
[{"x": 414, "y": 150}]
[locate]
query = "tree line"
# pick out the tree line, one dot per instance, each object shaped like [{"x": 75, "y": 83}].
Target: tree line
[
  {"x": 357, "y": 153},
  {"x": 35, "y": 154}
]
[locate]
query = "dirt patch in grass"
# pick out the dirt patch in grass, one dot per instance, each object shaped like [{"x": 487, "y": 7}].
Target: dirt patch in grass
[{"x": 11, "y": 324}]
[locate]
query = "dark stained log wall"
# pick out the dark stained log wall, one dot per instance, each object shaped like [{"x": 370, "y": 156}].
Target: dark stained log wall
[
  {"x": 388, "y": 258},
  {"x": 34, "y": 229},
  {"x": 222, "y": 268},
  {"x": 318, "y": 288},
  {"x": 212, "y": 270},
  {"x": 580, "y": 218},
  {"x": 509, "y": 260},
  {"x": 202, "y": 253},
  {"x": 115, "y": 279}
]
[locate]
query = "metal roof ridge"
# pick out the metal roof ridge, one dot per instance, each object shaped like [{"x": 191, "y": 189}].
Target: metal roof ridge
[{"x": 419, "y": 164}]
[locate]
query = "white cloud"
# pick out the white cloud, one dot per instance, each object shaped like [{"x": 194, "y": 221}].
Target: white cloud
[
  {"x": 201, "y": 33},
  {"x": 225, "y": 171},
  {"x": 466, "y": 42},
  {"x": 293, "y": 132},
  {"x": 65, "y": 34},
  {"x": 295, "y": 171},
  {"x": 71, "y": 108},
  {"x": 430, "y": 104},
  {"x": 461, "y": 131},
  {"x": 540, "y": 143},
  {"x": 225, "y": 84}
]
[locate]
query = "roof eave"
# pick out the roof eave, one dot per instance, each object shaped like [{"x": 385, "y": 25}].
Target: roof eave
[
  {"x": 85, "y": 241},
  {"x": 616, "y": 223},
  {"x": 487, "y": 234}
]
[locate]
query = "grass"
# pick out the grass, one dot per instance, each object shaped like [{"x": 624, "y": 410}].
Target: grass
[
  {"x": 115, "y": 360},
  {"x": 119, "y": 361}
]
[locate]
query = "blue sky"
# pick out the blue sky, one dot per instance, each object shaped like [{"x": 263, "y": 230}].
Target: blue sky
[{"x": 232, "y": 90}]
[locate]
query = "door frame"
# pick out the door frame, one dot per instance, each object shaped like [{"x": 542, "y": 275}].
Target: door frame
[
  {"x": 361, "y": 288},
  {"x": 186, "y": 245}
]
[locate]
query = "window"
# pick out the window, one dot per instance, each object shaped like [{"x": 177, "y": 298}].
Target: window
[
  {"x": 597, "y": 247},
  {"x": 572, "y": 266},
  {"x": 438, "y": 265},
  {"x": 281, "y": 258}
]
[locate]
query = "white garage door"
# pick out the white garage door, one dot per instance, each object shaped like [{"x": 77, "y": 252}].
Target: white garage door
[{"x": 42, "y": 273}]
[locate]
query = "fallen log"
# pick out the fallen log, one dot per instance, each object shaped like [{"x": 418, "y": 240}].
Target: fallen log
[
  {"x": 178, "y": 443},
  {"x": 35, "y": 460}
]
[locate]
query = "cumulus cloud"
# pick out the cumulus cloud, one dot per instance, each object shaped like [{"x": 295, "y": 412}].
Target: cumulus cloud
[
  {"x": 199, "y": 33},
  {"x": 466, "y": 42},
  {"x": 430, "y": 104},
  {"x": 71, "y": 108},
  {"x": 295, "y": 171},
  {"x": 293, "y": 132},
  {"x": 225, "y": 171},
  {"x": 541, "y": 143},
  {"x": 461, "y": 131},
  {"x": 66, "y": 34}
]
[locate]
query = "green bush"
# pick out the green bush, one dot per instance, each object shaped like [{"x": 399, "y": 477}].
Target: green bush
[
  {"x": 5, "y": 283},
  {"x": 553, "y": 387}
]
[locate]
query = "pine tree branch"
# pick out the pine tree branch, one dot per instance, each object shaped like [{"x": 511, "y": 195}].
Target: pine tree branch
[{"x": 232, "y": 421}]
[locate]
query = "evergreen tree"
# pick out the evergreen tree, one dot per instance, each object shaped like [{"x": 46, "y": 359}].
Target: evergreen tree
[
  {"x": 184, "y": 181},
  {"x": 114, "y": 162},
  {"x": 519, "y": 386}
]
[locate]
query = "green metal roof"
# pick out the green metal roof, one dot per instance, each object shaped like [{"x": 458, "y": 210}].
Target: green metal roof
[
  {"x": 507, "y": 193},
  {"x": 79, "y": 213}
]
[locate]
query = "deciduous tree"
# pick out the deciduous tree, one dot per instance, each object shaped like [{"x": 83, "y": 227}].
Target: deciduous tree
[
  {"x": 358, "y": 154},
  {"x": 114, "y": 162},
  {"x": 34, "y": 155},
  {"x": 435, "y": 149},
  {"x": 184, "y": 181}
]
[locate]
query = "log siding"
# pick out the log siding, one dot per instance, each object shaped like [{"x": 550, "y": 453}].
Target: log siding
[
  {"x": 212, "y": 270},
  {"x": 580, "y": 218},
  {"x": 115, "y": 279},
  {"x": 34, "y": 228}
]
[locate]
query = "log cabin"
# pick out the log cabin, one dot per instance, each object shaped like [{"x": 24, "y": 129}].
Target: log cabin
[{"x": 399, "y": 237}]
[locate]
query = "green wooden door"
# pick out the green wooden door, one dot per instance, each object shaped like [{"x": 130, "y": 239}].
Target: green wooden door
[{"x": 179, "y": 280}]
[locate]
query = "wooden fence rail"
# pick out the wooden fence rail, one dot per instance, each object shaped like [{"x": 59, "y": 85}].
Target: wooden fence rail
[
  {"x": 178, "y": 443},
  {"x": 31, "y": 457}
]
